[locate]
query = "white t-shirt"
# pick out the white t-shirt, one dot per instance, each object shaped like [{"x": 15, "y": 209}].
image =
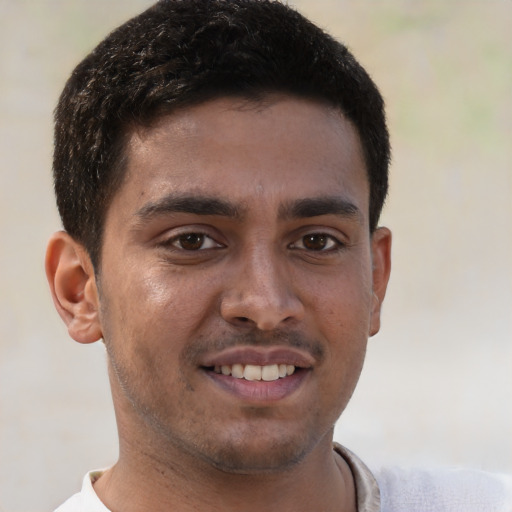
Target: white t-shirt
[
  {"x": 86, "y": 500},
  {"x": 386, "y": 490}
]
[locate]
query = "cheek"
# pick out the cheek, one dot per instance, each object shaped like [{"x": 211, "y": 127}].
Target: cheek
[
  {"x": 146, "y": 324},
  {"x": 342, "y": 310},
  {"x": 148, "y": 300},
  {"x": 342, "y": 303}
]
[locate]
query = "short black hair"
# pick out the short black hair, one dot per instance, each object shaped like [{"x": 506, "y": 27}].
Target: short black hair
[{"x": 180, "y": 53}]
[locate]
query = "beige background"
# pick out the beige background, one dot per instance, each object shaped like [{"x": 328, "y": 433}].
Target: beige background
[{"x": 437, "y": 387}]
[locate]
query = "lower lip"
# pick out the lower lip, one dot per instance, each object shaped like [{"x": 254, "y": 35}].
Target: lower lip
[{"x": 258, "y": 390}]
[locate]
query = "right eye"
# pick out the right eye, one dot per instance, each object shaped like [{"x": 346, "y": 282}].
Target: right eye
[{"x": 193, "y": 242}]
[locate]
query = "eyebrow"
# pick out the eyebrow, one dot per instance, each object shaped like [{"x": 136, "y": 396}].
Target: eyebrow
[
  {"x": 194, "y": 204},
  {"x": 317, "y": 206},
  {"x": 205, "y": 205}
]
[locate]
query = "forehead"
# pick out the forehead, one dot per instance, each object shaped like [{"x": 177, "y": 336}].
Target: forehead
[{"x": 252, "y": 153}]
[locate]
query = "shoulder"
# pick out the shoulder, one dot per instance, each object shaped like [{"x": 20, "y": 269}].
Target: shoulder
[
  {"x": 443, "y": 490},
  {"x": 86, "y": 500}
]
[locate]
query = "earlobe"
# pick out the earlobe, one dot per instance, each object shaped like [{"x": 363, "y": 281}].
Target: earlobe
[
  {"x": 381, "y": 260},
  {"x": 70, "y": 275}
]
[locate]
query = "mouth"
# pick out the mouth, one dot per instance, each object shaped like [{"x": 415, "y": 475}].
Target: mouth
[{"x": 259, "y": 375}]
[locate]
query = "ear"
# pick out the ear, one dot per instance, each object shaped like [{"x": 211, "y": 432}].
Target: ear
[
  {"x": 70, "y": 274},
  {"x": 381, "y": 260}
]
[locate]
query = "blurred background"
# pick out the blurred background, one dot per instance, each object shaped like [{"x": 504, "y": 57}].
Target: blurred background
[{"x": 437, "y": 385}]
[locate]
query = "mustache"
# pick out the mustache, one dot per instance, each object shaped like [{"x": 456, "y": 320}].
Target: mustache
[{"x": 205, "y": 345}]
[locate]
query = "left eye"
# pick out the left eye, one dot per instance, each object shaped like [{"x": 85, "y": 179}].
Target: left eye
[
  {"x": 194, "y": 242},
  {"x": 316, "y": 242}
]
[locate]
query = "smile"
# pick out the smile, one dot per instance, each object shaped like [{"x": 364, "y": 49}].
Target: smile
[
  {"x": 259, "y": 375},
  {"x": 254, "y": 372}
]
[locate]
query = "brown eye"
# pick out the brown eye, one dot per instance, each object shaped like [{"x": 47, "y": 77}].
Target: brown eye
[
  {"x": 194, "y": 242},
  {"x": 190, "y": 241},
  {"x": 317, "y": 242}
]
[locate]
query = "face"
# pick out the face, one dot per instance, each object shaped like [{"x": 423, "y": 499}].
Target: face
[{"x": 236, "y": 284}]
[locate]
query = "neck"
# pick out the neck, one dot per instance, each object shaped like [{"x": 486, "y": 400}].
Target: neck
[{"x": 142, "y": 480}]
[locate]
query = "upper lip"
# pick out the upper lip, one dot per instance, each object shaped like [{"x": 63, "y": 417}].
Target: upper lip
[{"x": 261, "y": 356}]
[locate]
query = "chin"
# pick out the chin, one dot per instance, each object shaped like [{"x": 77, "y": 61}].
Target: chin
[
  {"x": 257, "y": 453},
  {"x": 257, "y": 462}
]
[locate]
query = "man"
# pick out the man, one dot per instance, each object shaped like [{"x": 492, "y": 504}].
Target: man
[{"x": 220, "y": 167}]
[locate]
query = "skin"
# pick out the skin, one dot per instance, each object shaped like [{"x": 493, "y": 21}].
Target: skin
[{"x": 240, "y": 234}]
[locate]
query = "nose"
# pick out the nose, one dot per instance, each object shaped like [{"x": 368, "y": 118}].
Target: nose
[{"x": 261, "y": 294}]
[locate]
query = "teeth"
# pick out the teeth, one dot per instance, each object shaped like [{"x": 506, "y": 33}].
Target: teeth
[
  {"x": 237, "y": 371},
  {"x": 254, "y": 372},
  {"x": 270, "y": 372}
]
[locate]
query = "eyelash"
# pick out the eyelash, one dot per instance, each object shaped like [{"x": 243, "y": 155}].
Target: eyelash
[
  {"x": 203, "y": 238},
  {"x": 197, "y": 240},
  {"x": 332, "y": 244}
]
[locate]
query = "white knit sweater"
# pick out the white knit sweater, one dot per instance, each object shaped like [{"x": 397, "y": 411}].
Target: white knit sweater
[{"x": 443, "y": 490}]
